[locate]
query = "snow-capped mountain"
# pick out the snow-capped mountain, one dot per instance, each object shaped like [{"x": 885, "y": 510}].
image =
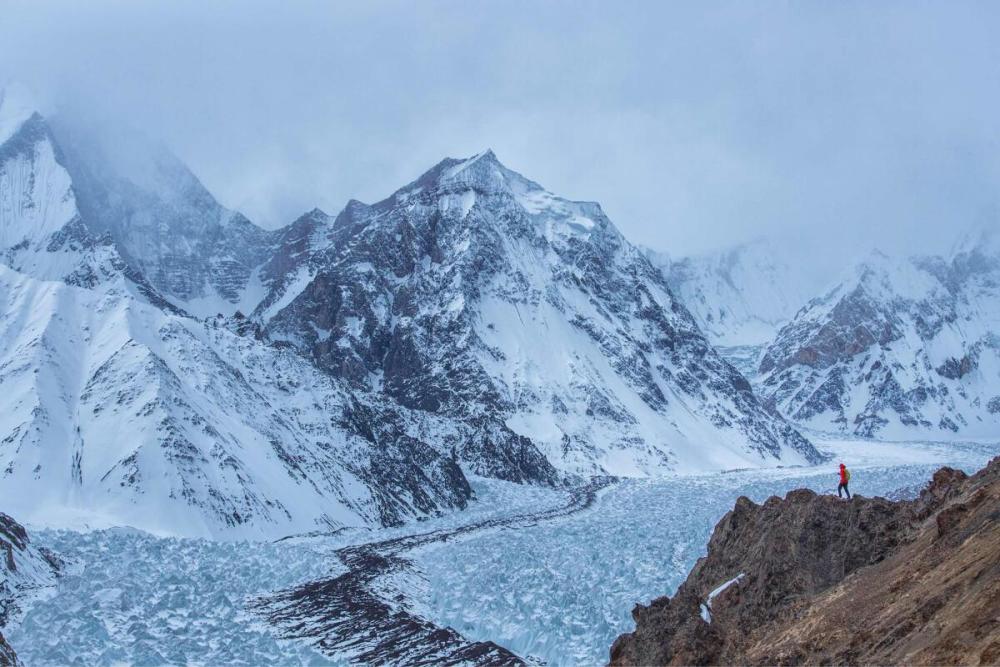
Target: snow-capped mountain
[
  {"x": 475, "y": 294},
  {"x": 472, "y": 319},
  {"x": 118, "y": 408},
  {"x": 903, "y": 347},
  {"x": 41, "y": 232},
  {"x": 122, "y": 411}
]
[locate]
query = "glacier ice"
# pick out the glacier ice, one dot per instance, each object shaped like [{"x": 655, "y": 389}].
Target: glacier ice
[
  {"x": 563, "y": 591},
  {"x": 131, "y": 597}
]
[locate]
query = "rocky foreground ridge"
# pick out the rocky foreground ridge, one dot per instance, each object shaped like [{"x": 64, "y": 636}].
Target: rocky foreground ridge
[{"x": 817, "y": 580}]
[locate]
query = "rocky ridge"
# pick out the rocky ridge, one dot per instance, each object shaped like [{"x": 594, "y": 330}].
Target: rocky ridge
[{"x": 814, "y": 579}]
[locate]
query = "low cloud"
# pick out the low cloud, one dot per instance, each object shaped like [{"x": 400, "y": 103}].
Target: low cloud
[{"x": 831, "y": 125}]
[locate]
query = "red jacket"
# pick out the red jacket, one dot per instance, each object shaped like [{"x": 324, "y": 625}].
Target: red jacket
[{"x": 843, "y": 475}]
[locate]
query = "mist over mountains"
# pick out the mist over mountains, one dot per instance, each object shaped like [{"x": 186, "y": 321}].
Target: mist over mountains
[
  {"x": 174, "y": 366},
  {"x": 169, "y": 363}
]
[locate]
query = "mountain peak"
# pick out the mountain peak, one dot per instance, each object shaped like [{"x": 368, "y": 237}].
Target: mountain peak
[
  {"x": 483, "y": 158},
  {"x": 484, "y": 173},
  {"x": 481, "y": 171},
  {"x": 17, "y": 105}
]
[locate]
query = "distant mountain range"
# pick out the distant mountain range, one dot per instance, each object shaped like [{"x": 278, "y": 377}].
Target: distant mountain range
[
  {"x": 170, "y": 365},
  {"x": 895, "y": 347}
]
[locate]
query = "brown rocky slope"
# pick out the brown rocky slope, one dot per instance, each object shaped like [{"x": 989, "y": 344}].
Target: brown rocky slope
[{"x": 826, "y": 581}]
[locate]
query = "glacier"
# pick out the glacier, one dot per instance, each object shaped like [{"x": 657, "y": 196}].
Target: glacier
[
  {"x": 557, "y": 591},
  {"x": 561, "y": 592}
]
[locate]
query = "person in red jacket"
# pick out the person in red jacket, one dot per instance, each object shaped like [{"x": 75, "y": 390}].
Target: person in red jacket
[{"x": 845, "y": 477}]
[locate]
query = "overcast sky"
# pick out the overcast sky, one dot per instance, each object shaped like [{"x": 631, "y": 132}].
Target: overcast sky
[{"x": 696, "y": 125}]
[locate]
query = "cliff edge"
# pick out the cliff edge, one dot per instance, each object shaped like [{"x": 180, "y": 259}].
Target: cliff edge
[{"x": 812, "y": 579}]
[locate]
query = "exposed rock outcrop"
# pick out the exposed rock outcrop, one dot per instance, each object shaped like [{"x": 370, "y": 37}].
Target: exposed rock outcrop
[
  {"x": 827, "y": 581},
  {"x": 7, "y": 654},
  {"x": 24, "y": 568}
]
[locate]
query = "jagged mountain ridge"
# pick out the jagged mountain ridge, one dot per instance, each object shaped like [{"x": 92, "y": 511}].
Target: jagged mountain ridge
[
  {"x": 893, "y": 347},
  {"x": 167, "y": 226},
  {"x": 121, "y": 409},
  {"x": 904, "y": 347},
  {"x": 439, "y": 296},
  {"x": 379, "y": 356}
]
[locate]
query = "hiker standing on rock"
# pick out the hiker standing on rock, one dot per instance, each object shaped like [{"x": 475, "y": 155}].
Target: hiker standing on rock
[{"x": 845, "y": 477}]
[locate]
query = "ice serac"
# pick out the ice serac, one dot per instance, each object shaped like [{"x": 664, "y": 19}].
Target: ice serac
[
  {"x": 525, "y": 327},
  {"x": 902, "y": 348}
]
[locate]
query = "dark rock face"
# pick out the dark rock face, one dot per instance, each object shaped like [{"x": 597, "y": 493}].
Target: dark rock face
[
  {"x": 808, "y": 561},
  {"x": 427, "y": 296},
  {"x": 854, "y": 324},
  {"x": 23, "y": 568},
  {"x": 399, "y": 467},
  {"x": 955, "y": 369},
  {"x": 8, "y": 658}
]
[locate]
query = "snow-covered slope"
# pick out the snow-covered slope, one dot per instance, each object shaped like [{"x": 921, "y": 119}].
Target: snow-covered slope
[
  {"x": 118, "y": 408},
  {"x": 902, "y": 348},
  {"x": 741, "y": 296},
  {"x": 166, "y": 225},
  {"x": 476, "y": 295},
  {"x": 116, "y": 411}
]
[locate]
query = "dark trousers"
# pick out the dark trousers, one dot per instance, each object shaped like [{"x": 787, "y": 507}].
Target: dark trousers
[{"x": 844, "y": 487}]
